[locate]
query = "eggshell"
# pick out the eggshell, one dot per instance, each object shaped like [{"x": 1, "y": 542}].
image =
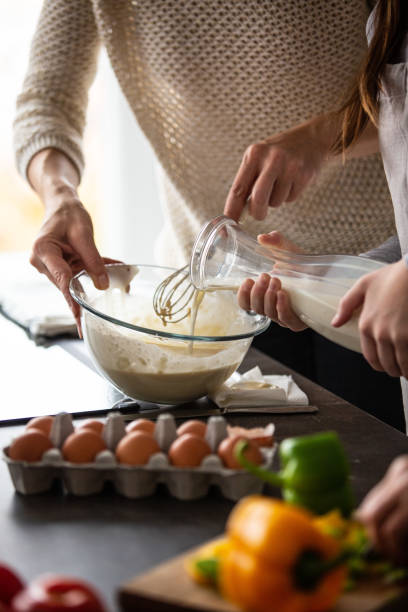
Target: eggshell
[
  {"x": 30, "y": 446},
  {"x": 195, "y": 427},
  {"x": 136, "y": 448},
  {"x": 43, "y": 423},
  {"x": 82, "y": 446},
  {"x": 263, "y": 436},
  {"x": 188, "y": 450},
  {"x": 226, "y": 452},
  {"x": 93, "y": 425},
  {"x": 141, "y": 425}
]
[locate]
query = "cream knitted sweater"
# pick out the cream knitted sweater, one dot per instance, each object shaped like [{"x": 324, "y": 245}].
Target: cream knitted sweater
[{"x": 205, "y": 79}]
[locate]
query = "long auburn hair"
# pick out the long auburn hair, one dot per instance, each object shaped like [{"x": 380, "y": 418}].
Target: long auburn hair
[{"x": 361, "y": 104}]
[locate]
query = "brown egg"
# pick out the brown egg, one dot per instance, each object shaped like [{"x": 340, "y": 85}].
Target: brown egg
[
  {"x": 195, "y": 427},
  {"x": 82, "y": 446},
  {"x": 43, "y": 423},
  {"x": 263, "y": 436},
  {"x": 226, "y": 452},
  {"x": 30, "y": 446},
  {"x": 141, "y": 425},
  {"x": 188, "y": 450},
  {"x": 136, "y": 448},
  {"x": 93, "y": 425}
]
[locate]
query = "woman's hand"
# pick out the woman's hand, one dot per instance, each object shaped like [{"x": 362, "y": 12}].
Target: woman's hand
[
  {"x": 384, "y": 512},
  {"x": 266, "y": 296},
  {"x": 383, "y": 322},
  {"x": 65, "y": 246},
  {"x": 278, "y": 169},
  {"x": 65, "y": 243}
]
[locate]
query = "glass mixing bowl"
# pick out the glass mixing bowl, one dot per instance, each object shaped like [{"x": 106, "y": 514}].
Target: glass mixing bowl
[{"x": 148, "y": 360}]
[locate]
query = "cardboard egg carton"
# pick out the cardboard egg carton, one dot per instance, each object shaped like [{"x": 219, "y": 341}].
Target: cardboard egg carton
[{"x": 135, "y": 481}]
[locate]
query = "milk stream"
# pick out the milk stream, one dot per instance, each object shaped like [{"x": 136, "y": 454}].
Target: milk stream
[{"x": 198, "y": 297}]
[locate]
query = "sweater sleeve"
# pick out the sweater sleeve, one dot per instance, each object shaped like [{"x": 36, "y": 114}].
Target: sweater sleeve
[
  {"x": 389, "y": 251},
  {"x": 51, "y": 108}
]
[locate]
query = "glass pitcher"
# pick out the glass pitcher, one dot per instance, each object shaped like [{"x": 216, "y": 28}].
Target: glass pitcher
[{"x": 224, "y": 255}]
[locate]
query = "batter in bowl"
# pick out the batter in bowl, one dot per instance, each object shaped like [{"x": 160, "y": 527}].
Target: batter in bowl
[{"x": 159, "y": 369}]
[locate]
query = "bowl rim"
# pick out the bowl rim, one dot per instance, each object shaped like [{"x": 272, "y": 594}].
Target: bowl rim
[{"x": 155, "y": 332}]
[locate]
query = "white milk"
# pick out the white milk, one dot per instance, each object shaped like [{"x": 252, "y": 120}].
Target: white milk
[{"x": 316, "y": 303}]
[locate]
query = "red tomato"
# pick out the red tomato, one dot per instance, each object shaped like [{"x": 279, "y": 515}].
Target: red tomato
[
  {"x": 55, "y": 593},
  {"x": 10, "y": 585}
]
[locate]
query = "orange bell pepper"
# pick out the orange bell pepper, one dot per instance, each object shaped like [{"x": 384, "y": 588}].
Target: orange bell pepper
[
  {"x": 278, "y": 560},
  {"x": 203, "y": 567}
]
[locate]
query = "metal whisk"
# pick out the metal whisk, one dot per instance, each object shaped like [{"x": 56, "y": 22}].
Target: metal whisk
[{"x": 172, "y": 297}]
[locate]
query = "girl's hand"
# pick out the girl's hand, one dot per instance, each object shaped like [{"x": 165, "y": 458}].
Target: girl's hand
[
  {"x": 266, "y": 296},
  {"x": 65, "y": 246},
  {"x": 278, "y": 169},
  {"x": 383, "y": 322},
  {"x": 384, "y": 512}
]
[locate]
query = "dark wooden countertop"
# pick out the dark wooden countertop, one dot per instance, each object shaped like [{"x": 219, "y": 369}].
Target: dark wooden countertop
[{"x": 107, "y": 539}]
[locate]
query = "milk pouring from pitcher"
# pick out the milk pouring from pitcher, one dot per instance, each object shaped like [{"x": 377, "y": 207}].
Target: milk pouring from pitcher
[{"x": 224, "y": 255}]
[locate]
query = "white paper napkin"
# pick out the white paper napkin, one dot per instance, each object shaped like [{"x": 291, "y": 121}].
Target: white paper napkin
[
  {"x": 31, "y": 300},
  {"x": 254, "y": 390}
]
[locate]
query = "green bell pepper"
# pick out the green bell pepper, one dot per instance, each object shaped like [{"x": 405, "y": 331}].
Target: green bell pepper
[{"x": 314, "y": 474}]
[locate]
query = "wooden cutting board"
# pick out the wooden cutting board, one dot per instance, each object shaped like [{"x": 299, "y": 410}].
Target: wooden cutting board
[{"x": 168, "y": 588}]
